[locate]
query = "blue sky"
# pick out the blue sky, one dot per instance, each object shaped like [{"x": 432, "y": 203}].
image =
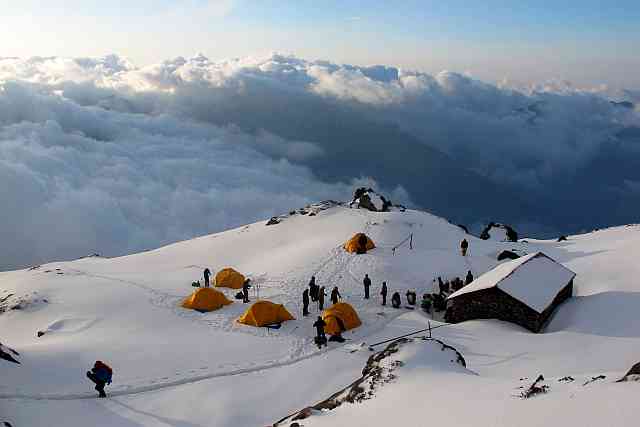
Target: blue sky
[{"x": 587, "y": 42}]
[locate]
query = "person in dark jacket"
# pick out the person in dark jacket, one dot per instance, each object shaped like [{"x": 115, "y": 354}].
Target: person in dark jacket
[
  {"x": 313, "y": 289},
  {"x": 395, "y": 300},
  {"x": 321, "y": 295},
  {"x": 321, "y": 338},
  {"x": 367, "y": 284},
  {"x": 207, "y": 274},
  {"x": 101, "y": 375},
  {"x": 444, "y": 286},
  {"x": 245, "y": 291},
  {"x": 305, "y": 302},
  {"x": 411, "y": 297},
  {"x": 383, "y": 292},
  {"x": 335, "y": 295},
  {"x": 464, "y": 246},
  {"x": 469, "y": 278}
]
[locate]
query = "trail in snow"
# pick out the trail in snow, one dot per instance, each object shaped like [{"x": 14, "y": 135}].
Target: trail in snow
[{"x": 333, "y": 269}]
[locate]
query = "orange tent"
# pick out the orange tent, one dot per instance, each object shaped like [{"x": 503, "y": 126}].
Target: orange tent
[
  {"x": 263, "y": 313},
  {"x": 340, "y": 317},
  {"x": 360, "y": 243},
  {"x": 206, "y": 299},
  {"x": 229, "y": 278}
]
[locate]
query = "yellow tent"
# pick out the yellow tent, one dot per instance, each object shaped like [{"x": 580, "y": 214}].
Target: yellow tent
[
  {"x": 229, "y": 278},
  {"x": 206, "y": 299},
  {"x": 360, "y": 243},
  {"x": 263, "y": 313},
  {"x": 347, "y": 315}
]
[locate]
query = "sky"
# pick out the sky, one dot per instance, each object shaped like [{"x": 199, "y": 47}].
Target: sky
[{"x": 587, "y": 42}]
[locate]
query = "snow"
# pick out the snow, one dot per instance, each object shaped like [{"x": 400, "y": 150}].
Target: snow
[
  {"x": 178, "y": 367},
  {"x": 534, "y": 279}
]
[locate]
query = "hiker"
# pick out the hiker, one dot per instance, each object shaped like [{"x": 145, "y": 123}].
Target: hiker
[
  {"x": 444, "y": 286},
  {"x": 335, "y": 295},
  {"x": 367, "y": 284},
  {"x": 411, "y": 297},
  {"x": 305, "y": 302},
  {"x": 321, "y": 295},
  {"x": 245, "y": 291},
  {"x": 321, "y": 338},
  {"x": 383, "y": 292},
  {"x": 362, "y": 245},
  {"x": 439, "y": 302},
  {"x": 313, "y": 289},
  {"x": 464, "y": 245},
  {"x": 207, "y": 274},
  {"x": 469, "y": 278},
  {"x": 395, "y": 300},
  {"x": 101, "y": 375},
  {"x": 426, "y": 303},
  {"x": 337, "y": 337}
]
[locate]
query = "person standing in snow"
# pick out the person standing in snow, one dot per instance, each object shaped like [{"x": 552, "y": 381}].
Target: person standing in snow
[
  {"x": 321, "y": 338},
  {"x": 207, "y": 274},
  {"x": 469, "y": 278},
  {"x": 367, "y": 284},
  {"x": 245, "y": 291},
  {"x": 464, "y": 245},
  {"x": 101, "y": 374},
  {"x": 335, "y": 295},
  {"x": 395, "y": 300},
  {"x": 321, "y": 295},
  {"x": 313, "y": 289},
  {"x": 411, "y": 297},
  {"x": 383, "y": 292},
  {"x": 305, "y": 302}
]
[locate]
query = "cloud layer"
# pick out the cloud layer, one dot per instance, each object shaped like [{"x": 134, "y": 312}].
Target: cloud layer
[{"x": 100, "y": 155}]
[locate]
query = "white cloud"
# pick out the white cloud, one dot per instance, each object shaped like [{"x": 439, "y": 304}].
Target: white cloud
[{"x": 137, "y": 157}]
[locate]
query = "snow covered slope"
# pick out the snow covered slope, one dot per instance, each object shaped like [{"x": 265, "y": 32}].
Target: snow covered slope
[{"x": 168, "y": 360}]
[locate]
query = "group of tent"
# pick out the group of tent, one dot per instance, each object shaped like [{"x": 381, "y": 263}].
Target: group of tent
[
  {"x": 209, "y": 299},
  {"x": 339, "y": 317}
]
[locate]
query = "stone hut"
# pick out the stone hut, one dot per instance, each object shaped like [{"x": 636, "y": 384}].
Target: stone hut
[{"x": 524, "y": 291}]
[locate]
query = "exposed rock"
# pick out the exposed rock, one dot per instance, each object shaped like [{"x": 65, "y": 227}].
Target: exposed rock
[
  {"x": 367, "y": 198},
  {"x": 22, "y": 302},
  {"x": 491, "y": 230},
  {"x": 464, "y": 228},
  {"x": 9, "y": 354},
  {"x": 375, "y": 374},
  {"x": 507, "y": 255},
  {"x": 273, "y": 221},
  {"x": 562, "y": 239},
  {"x": 633, "y": 374}
]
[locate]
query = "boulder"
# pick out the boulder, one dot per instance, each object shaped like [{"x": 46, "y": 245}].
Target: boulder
[
  {"x": 500, "y": 232},
  {"x": 633, "y": 374},
  {"x": 367, "y": 198},
  {"x": 8, "y": 354},
  {"x": 273, "y": 221}
]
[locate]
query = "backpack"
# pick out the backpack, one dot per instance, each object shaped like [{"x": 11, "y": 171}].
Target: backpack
[{"x": 101, "y": 366}]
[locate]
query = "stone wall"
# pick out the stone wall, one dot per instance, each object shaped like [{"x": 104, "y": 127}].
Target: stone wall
[{"x": 493, "y": 303}]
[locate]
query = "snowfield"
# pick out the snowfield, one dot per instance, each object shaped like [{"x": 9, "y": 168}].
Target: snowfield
[{"x": 178, "y": 367}]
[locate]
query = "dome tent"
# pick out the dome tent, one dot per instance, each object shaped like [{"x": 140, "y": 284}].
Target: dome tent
[
  {"x": 206, "y": 299},
  {"x": 229, "y": 278},
  {"x": 340, "y": 317},
  {"x": 360, "y": 243},
  {"x": 262, "y": 313}
]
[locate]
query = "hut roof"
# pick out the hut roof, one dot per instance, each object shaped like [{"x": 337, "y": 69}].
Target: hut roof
[{"x": 533, "y": 279}]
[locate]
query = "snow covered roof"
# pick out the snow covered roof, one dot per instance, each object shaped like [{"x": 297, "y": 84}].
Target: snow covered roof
[{"x": 534, "y": 280}]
